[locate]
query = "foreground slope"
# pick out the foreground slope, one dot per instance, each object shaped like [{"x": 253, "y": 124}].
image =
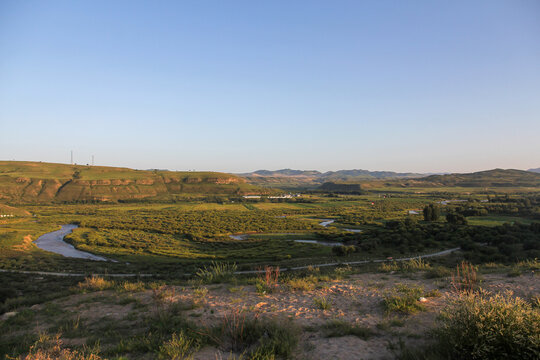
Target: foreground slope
[{"x": 36, "y": 182}]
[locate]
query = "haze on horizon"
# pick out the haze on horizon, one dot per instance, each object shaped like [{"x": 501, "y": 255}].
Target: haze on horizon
[{"x": 238, "y": 86}]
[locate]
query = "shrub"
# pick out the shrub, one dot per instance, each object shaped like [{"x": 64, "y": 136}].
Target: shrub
[
  {"x": 484, "y": 326},
  {"x": 95, "y": 283},
  {"x": 217, "y": 272},
  {"x": 403, "y": 299}
]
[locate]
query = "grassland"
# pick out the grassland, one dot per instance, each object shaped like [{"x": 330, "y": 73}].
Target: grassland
[{"x": 177, "y": 311}]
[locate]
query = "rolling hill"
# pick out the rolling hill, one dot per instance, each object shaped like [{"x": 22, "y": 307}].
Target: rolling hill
[
  {"x": 496, "y": 178},
  {"x": 36, "y": 182}
]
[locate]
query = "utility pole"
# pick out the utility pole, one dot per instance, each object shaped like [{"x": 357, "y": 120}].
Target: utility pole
[{"x": 71, "y": 157}]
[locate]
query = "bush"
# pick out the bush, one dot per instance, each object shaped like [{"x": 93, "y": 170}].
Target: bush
[
  {"x": 343, "y": 250},
  {"x": 484, "y": 326}
]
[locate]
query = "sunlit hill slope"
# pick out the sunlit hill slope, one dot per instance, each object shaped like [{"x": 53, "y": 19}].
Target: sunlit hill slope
[{"x": 36, "y": 182}]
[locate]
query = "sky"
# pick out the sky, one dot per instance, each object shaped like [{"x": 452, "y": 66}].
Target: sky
[{"x": 236, "y": 86}]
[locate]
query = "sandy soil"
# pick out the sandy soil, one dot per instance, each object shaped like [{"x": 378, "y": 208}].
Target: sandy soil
[{"x": 356, "y": 299}]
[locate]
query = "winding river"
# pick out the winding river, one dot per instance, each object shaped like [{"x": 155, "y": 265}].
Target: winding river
[{"x": 54, "y": 242}]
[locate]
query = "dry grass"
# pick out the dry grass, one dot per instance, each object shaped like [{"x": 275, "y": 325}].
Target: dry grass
[
  {"x": 50, "y": 348},
  {"x": 95, "y": 283}
]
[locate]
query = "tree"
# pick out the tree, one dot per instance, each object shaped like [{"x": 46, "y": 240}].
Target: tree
[
  {"x": 431, "y": 212},
  {"x": 456, "y": 219}
]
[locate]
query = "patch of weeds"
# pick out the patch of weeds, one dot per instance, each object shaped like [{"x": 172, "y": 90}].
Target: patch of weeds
[
  {"x": 307, "y": 283},
  {"x": 95, "y": 283},
  {"x": 322, "y": 303},
  {"x": 199, "y": 295},
  {"x": 343, "y": 271},
  {"x": 438, "y": 272},
  {"x": 52, "y": 309},
  {"x": 163, "y": 293},
  {"x": 433, "y": 293},
  {"x": 466, "y": 278},
  {"x": 403, "y": 299},
  {"x": 48, "y": 347},
  {"x": 21, "y": 319},
  {"x": 125, "y": 300},
  {"x": 70, "y": 327},
  {"x": 390, "y": 323},
  {"x": 339, "y": 328},
  {"x": 530, "y": 264},
  {"x": 132, "y": 286},
  {"x": 268, "y": 282},
  {"x": 235, "y": 289},
  {"x": 514, "y": 272},
  {"x": 178, "y": 347},
  {"x": 412, "y": 265},
  {"x": 217, "y": 272},
  {"x": 261, "y": 338}
]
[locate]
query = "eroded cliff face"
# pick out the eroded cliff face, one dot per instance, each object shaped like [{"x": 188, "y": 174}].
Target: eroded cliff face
[{"x": 32, "y": 190}]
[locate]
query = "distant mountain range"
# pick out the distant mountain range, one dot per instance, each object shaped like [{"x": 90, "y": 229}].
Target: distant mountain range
[
  {"x": 288, "y": 178},
  {"x": 340, "y": 175}
]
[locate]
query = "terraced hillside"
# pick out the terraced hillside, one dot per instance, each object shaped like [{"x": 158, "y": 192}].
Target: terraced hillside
[{"x": 35, "y": 182}]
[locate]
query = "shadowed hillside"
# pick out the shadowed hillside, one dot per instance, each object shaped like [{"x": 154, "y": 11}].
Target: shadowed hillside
[
  {"x": 34, "y": 182},
  {"x": 489, "y": 178}
]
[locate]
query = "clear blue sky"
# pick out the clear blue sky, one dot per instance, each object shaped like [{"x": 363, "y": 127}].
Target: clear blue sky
[{"x": 237, "y": 86}]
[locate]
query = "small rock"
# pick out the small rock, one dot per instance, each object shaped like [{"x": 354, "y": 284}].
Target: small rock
[
  {"x": 8, "y": 315},
  {"x": 422, "y": 299},
  {"x": 261, "y": 304}
]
